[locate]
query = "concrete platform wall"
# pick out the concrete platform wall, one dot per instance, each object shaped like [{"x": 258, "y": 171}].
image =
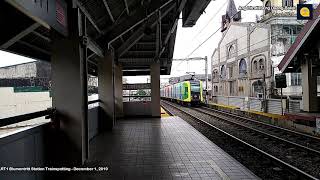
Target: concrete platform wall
[
  {"x": 23, "y": 149},
  {"x": 131, "y": 109},
  {"x": 93, "y": 117}
]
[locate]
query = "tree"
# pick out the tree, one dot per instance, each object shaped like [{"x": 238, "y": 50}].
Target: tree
[{"x": 141, "y": 92}]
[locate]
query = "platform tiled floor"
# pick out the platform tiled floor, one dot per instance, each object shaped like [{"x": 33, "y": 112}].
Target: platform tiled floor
[{"x": 167, "y": 148}]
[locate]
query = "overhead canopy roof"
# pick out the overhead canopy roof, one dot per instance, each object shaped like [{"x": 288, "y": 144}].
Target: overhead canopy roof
[
  {"x": 130, "y": 27},
  {"x": 304, "y": 45}
]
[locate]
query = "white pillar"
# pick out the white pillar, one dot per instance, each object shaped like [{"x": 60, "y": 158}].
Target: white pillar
[
  {"x": 155, "y": 89},
  {"x": 309, "y": 87}
]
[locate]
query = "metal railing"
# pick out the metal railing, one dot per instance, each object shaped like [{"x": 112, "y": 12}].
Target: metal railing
[
  {"x": 94, "y": 101},
  {"x": 136, "y": 98},
  {"x": 24, "y": 117},
  {"x": 251, "y": 103},
  {"x": 49, "y": 113}
]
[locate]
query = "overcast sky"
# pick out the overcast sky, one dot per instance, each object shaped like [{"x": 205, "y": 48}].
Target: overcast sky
[
  {"x": 189, "y": 39},
  {"x": 186, "y": 41}
]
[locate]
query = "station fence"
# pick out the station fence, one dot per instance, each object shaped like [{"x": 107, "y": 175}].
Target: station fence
[{"x": 258, "y": 104}]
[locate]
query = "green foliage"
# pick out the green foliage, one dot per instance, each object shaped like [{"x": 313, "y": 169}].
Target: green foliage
[{"x": 141, "y": 92}]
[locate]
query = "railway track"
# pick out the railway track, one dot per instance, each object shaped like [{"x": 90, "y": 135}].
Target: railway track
[
  {"x": 296, "y": 160},
  {"x": 308, "y": 141}
]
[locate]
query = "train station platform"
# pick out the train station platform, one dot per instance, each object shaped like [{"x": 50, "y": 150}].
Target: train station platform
[{"x": 163, "y": 148}]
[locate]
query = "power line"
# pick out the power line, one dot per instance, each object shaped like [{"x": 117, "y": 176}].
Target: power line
[
  {"x": 209, "y": 20},
  {"x": 210, "y": 36},
  {"x": 204, "y": 42},
  {"x": 214, "y": 32}
]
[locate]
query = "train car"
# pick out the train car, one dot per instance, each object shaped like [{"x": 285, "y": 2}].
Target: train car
[{"x": 186, "y": 92}]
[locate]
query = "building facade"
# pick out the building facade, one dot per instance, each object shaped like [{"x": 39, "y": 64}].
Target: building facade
[
  {"x": 247, "y": 56},
  {"x": 241, "y": 60}
]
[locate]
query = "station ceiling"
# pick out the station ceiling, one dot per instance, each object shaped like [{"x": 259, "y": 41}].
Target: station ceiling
[{"x": 140, "y": 31}]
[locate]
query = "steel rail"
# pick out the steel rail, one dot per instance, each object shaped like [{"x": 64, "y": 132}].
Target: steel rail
[
  {"x": 299, "y": 171},
  {"x": 262, "y": 123},
  {"x": 259, "y": 131}
]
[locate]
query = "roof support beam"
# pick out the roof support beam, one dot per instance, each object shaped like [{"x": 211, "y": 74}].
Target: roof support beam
[
  {"x": 173, "y": 27},
  {"x": 42, "y": 36},
  {"x": 94, "y": 47},
  {"x": 170, "y": 32},
  {"x": 87, "y": 14},
  {"x": 143, "y": 20},
  {"x": 34, "y": 47},
  {"x": 91, "y": 55},
  {"x": 127, "y": 7},
  {"x": 108, "y": 9},
  {"x": 158, "y": 38},
  {"x": 140, "y": 32},
  {"x": 20, "y": 36}
]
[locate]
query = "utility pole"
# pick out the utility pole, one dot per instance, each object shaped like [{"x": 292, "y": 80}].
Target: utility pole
[{"x": 206, "y": 71}]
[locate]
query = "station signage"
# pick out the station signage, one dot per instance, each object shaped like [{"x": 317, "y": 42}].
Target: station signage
[{"x": 49, "y": 13}]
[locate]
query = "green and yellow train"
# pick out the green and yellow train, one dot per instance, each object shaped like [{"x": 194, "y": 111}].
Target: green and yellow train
[{"x": 186, "y": 92}]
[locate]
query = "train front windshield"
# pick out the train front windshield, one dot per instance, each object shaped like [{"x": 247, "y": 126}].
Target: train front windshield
[{"x": 195, "y": 86}]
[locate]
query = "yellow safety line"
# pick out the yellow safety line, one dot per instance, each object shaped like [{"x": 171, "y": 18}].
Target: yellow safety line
[{"x": 164, "y": 113}]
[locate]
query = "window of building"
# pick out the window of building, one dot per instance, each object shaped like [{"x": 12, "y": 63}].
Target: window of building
[
  {"x": 230, "y": 72},
  {"x": 223, "y": 72},
  {"x": 296, "y": 79},
  {"x": 216, "y": 89},
  {"x": 261, "y": 64},
  {"x": 255, "y": 66},
  {"x": 287, "y": 3},
  {"x": 215, "y": 74},
  {"x": 231, "y": 50},
  {"x": 242, "y": 67}
]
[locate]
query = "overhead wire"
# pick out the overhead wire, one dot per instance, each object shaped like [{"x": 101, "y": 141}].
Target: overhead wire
[
  {"x": 210, "y": 36},
  {"x": 220, "y": 9},
  {"x": 214, "y": 33}
]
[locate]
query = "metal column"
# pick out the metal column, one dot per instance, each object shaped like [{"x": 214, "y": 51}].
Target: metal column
[
  {"x": 69, "y": 90},
  {"x": 106, "y": 91},
  {"x": 155, "y": 89}
]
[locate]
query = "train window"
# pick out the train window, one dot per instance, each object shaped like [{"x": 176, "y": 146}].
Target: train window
[{"x": 195, "y": 88}]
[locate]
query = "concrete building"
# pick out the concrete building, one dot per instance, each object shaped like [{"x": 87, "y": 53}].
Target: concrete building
[
  {"x": 36, "y": 73},
  {"x": 246, "y": 59},
  {"x": 303, "y": 56}
]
